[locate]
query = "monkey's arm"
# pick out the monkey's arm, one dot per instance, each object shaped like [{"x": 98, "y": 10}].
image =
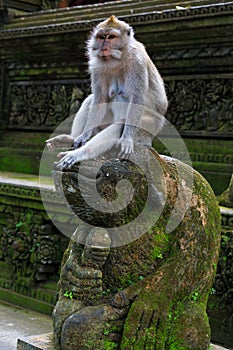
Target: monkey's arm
[
  {"x": 66, "y": 141},
  {"x": 92, "y": 112},
  {"x": 136, "y": 86},
  {"x": 81, "y": 118}
]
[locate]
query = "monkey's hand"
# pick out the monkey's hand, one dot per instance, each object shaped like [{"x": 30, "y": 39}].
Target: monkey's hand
[
  {"x": 68, "y": 159},
  {"x": 82, "y": 139},
  {"x": 127, "y": 147},
  {"x": 78, "y": 142},
  {"x": 59, "y": 141}
]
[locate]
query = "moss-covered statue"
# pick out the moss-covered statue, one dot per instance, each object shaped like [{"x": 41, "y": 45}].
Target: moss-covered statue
[
  {"x": 135, "y": 280},
  {"x": 140, "y": 265}
]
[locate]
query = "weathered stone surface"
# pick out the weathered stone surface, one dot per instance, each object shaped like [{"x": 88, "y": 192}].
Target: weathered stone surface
[
  {"x": 31, "y": 247},
  {"x": 226, "y": 198},
  {"x": 220, "y": 306},
  {"x": 36, "y": 342},
  {"x": 151, "y": 292},
  {"x": 36, "y": 83},
  {"x": 44, "y": 342}
]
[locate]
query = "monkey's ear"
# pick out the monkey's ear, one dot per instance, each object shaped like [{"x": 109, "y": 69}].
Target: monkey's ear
[{"x": 130, "y": 31}]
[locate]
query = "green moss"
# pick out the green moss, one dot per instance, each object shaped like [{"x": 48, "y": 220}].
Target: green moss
[
  {"x": 161, "y": 245},
  {"x": 26, "y": 302},
  {"x": 187, "y": 326},
  {"x": 21, "y": 161},
  {"x": 110, "y": 345}
]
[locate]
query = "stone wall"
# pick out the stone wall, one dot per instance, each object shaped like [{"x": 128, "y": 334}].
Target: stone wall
[
  {"x": 192, "y": 47},
  {"x": 31, "y": 247},
  {"x": 43, "y": 69},
  {"x": 220, "y": 306}
]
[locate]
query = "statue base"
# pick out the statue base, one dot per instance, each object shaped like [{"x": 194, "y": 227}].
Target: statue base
[
  {"x": 45, "y": 342},
  {"x": 36, "y": 342}
]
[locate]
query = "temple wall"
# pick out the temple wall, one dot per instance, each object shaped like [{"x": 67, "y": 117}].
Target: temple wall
[
  {"x": 43, "y": 61},
  {"x": 43, "y": 72}
]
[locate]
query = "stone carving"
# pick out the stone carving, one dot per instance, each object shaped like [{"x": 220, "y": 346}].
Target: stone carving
[
  {"x": 226, "y": 197},
  {"x": 30, "y": 248},
  {"x": 190, "y": 106},
  {"x": 220, "y": 307},
  {"x": 201, "y": 105},
  {"x": 154, "y": 17},
  {"x": 202, "y": 52},
  {"x": 28, "y": 193},
  {"x": 224, "y": 278},
  {"x": 49, "y": 4},
  {"x": 151, "y": 292},
  {"x": 39, "y": 105}
]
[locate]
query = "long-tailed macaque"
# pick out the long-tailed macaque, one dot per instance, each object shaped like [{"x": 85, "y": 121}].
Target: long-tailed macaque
[{"x": 128, "y": 99}]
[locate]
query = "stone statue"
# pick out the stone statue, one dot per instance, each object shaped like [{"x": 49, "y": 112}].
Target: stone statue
[
  {"x": 126, "y": 288},
  {"x": 226, "y": 198}
]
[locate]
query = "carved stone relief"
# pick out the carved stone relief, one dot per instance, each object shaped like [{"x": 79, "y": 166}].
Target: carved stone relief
[
  {"x": 154, "y": 17},
  {"x": 41, "y": 105},
  {"x": 31, "y": 247},
  {"x": 201, "y": 105}
]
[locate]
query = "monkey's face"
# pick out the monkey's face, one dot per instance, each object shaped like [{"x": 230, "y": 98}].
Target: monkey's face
[
  {"x": 109, "y": 40},
  {"x": 108, "y": 44}
]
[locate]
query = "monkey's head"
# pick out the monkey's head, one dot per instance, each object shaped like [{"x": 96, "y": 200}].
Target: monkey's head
[{"x": 109, "y": 38}]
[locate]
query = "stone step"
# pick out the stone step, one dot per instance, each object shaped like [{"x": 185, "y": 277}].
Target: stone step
[
  {"x": 38, "y": 342},
  {"x": 90, "y": 12},
  {"x": 45, "y": 342}
]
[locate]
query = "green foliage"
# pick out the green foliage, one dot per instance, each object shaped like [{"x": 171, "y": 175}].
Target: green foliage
[
  {"x": 195, "y": 296},
  {"x": 176, "y": 347},
  {"x": 110, "y": 345},
  {"x": 215, "y": 266},
  {"x": 106, "y": 292},
  {"x": 68, "y": 295},
  {"x": 212, "y": 291},
  {"x": 34, "y": 247}
]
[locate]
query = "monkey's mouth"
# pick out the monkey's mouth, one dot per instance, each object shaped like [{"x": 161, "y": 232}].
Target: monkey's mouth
[
  {"x": 105, "y": 58},
  {"x": 104, "y": 54}
]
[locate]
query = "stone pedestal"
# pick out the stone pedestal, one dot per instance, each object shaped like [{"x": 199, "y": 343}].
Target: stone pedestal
[
  {"x": 148, "y": 285},
  {"x": 36, "y": 342},
  {"x": 44, "y": 342}
]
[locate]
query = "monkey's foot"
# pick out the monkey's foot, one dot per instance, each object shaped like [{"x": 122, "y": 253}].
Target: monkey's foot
[{"x": 68, "y": 160}]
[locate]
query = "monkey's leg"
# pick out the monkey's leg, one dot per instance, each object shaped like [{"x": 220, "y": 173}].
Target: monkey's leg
[
  {"x": 80, "y": 119},
  {"x": 59, "y": 141},
  {"x": 98, "y": 145}
]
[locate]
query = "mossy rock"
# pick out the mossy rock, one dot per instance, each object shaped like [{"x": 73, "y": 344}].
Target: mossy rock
[{"x": 150, "y": 291}]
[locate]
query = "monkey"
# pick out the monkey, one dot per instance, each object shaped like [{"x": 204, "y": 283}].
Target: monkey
[{"x": 127, "y": 103}]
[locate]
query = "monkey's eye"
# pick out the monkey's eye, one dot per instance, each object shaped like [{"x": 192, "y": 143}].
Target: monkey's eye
[
  {"x": 111, "y": 36},
  {"x": 101, "y": 37}
]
